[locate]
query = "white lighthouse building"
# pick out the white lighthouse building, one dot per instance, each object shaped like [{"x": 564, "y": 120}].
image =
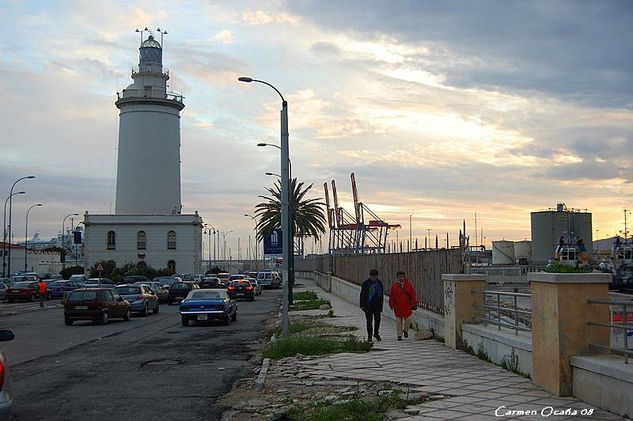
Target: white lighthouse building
[{"x": 148, "y": 227}]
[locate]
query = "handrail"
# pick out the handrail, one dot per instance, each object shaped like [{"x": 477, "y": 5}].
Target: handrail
[
  {"x": 624, "y": 326},
  {"x": 513, "y": 309}
]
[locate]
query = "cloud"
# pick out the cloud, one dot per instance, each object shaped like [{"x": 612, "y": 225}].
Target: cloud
[{"x": 260, "y": 17}]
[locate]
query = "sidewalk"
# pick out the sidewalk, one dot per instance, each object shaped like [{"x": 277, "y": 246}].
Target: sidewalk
[{"x": 461, "y": 386}]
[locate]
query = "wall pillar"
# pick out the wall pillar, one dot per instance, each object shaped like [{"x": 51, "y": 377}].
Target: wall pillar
[
  {"x": 559, "y": 324},
  {"x": 459, "y": 304}
]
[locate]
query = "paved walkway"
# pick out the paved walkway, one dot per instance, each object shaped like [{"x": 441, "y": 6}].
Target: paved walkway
[{"x": 461, "y": 385}]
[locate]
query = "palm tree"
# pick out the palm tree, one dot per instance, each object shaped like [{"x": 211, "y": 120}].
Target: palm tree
[{"x": 307, "y": 214}]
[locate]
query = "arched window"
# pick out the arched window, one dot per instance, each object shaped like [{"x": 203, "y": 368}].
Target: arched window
[
  {"x": 111, "y": 241},
  {"x": 171, "y": 240},
  {"x": 171, "y": 266},
  {"x": 141, "y": 240}
]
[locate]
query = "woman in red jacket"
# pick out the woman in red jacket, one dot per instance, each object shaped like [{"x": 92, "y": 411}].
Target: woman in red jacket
[{"x": 402, "y": 301}]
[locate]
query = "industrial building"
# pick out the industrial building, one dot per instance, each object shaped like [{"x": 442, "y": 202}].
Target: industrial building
[{"x": 549, "y": 226}]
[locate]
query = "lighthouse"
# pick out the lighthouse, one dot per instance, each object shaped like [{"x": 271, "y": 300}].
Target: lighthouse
[
  {"x": 148, "y": 167},
  {"x": 148, "y": 228}
]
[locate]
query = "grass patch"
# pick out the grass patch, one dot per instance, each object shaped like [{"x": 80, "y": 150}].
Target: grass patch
[
  {"x": 305, "y": 295},
  {"x": 357, "y": 408},
  {"x": 558, "y": 267},
  {"x": 313, "y": 345},
  {"x": 308, "y": 305}
]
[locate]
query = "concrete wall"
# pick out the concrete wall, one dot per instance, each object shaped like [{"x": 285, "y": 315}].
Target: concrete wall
[
  {"x": 604, "y": 381},
  {"x": 500, "y": 345}
]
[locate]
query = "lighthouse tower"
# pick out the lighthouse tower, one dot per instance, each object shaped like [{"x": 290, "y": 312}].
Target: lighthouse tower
[
  {"x": 148, "y": 168},
  {"x": 148, "y": 228}
]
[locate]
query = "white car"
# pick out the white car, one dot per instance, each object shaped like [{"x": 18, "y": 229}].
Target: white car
[{"x": 269, "y": 279}]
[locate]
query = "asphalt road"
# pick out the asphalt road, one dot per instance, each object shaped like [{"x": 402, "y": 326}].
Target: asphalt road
[{"x": 150, "y": 368}]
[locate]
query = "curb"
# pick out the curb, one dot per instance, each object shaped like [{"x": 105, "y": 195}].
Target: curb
[{"x": 259, "y": 383}]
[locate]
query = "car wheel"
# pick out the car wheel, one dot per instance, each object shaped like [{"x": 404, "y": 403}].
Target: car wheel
[
  {"x": 10, "y": 300},
  {"x": 185, "y": 321},
  {"x": 128, "y": 315},
  {"x": 68, "y": 322},
  {"x": 104, "y": 318},
  {"x": 252, "y": 298},
  {"x": 145, "y": 311},
  {"x": 32, "y": 297},
  {"x": 156, "y": 309}
]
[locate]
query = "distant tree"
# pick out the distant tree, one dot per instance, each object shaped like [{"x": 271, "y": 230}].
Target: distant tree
[
  {"x": 72, "y": 270},
  {"x": 307, "y": 214},
  {"x": 112, "y": 271}
]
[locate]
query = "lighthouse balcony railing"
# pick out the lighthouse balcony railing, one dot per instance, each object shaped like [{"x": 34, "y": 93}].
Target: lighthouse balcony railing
[
  {"x": 136, "y": 93},
  {"x": 137, "y": 70}
]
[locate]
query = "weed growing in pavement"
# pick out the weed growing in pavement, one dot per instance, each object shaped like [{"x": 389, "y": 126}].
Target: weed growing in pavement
[
  {"x": 370, "y": 407},
  {"x": 329, "y": 315},
  {"x": 309, "y": 305},
  {"x": 290, "y": 346},
  {"x": 510, "y": 362},
  {"x": 305, "y": 295}
]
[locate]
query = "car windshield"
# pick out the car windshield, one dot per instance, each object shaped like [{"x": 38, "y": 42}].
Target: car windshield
[
  {"x": 23, "y": 285},
  {"x": 91, "y": 281},
  {"x": 179, "y": 286},
  {"x": 83, "y": 296},
  {"x": 201, "y": 295},
  {"x": 57, "y": 284},
  {"x": 128, "y": 290}
]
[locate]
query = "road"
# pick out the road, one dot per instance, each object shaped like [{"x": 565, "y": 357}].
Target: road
[{"x": 150, "y": 368}]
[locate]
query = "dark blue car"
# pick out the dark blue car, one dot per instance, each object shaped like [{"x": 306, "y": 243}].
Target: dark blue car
[
  {"x": 58, "y": 288},
  {"x": 208, "y": 304}
]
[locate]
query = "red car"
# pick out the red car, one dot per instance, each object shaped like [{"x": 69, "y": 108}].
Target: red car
[
  {"x": 97, "y": 304},
  {"x": 25, "y": 290}
]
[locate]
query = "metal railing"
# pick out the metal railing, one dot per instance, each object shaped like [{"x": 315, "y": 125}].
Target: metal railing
[
  {"x": 495, "y": 309},
  {"x": 624, "y": 326}
]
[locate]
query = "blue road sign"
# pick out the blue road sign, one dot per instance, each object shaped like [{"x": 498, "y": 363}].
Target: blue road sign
[{"x": 273, "y": 244}]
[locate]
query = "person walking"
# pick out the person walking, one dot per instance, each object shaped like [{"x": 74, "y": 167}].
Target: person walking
[
  {"x": 41, "y": 291},
  {"x": 402, "y": 300},
  {"x": 371, "y": 301}
]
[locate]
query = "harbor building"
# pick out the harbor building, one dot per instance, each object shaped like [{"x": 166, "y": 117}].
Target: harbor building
[{"x": 148, "y": 228}]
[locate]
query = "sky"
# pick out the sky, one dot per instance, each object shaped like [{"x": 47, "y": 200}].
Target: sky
[{"x": 443, "y": 109}]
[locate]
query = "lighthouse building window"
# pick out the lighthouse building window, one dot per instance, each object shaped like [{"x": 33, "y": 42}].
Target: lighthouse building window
[
  {"x": 171, "y": 266},
  {"x": 171, "y": 240},
  {"x": 141, "y": 240},
  {"x": 111, "y": 240}
]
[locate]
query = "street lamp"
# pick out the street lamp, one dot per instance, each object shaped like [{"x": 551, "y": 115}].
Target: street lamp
[
  {"x": 272, "y": 173},
  {"x": 26, "y": 233},
  {"x": 209, "y": 227},
  {"x": 9, "y": 227},
  {"x": 224, "y": 234},
  {"x": 249, "y": 241},
  {"x": 286, "y": 223},
  {"x": 63, "y": 237},
  {"x": 4, "y": 238}
]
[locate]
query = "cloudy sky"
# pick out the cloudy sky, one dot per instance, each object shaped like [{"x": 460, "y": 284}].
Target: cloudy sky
[{"x": 442, "y": 109}]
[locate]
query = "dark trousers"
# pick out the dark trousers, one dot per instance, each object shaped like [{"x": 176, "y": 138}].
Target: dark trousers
[{"x": 373, "y": 317}]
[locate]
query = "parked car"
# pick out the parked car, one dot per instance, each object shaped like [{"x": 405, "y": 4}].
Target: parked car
[
  {"x": 6, "y": 398},
  {"x": 22, "y": 278},
  {"x": 141, "y": 298},
  {"x": 132, "y": 279},
  {"x": 78, "y": 278},
  {"x": 179, "y": 291},
  {"x": 58, "y": 288},
  {"x": 241, "y": 288},
  {"x": 237, "y": 276},
  {"x": 3, "y": 291},
  {"x": 207, "y": 304},
  {"x": 211, "y": 282},
  {"x": 157, "y": 288},
  {"x": 224, "y": 277},
  {"x": 98, "y": 283},
  {"x": 24, "y": 291},
  {"x": 97, "y": 304},
  {"x": 257, "y": 288},
  {"x": 167, "y": 280},
  {"x": 269, "y": 279}
]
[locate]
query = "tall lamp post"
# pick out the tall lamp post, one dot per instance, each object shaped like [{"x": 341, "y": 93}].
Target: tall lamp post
[
  {"x": 64, "y": 237},
  {"x": 285, "y": 204},
  {"x": 255, "y": 230},
  {"x": 4, "y": 238},
  {"x": 26, "y": 233},
  {"x": 209, "y": 228},
  {"x": 9, "y": 227}
]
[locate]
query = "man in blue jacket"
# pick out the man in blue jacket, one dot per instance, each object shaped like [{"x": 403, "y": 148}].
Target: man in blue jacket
[{"x": 371, "y": 297}]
